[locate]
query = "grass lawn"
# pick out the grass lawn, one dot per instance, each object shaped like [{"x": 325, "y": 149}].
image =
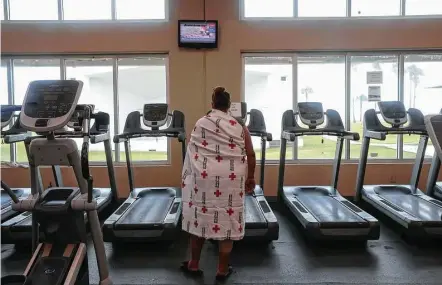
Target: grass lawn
[
  {"x": 314, "y": 147},
  {"x": 93, "y": 155}
]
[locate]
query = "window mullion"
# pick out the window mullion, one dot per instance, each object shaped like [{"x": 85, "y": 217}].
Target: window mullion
[
  {"x": 403, "y": 7},
  {"x": 116, "y": 107},
  {"x": 60, "y": 10},
  {"x": 114, "y": 9},
  {"x": 5, "y": 9},
  {"x": 348, "y": 8},
  {"x": 11, "y": 101},
  {"x": 295, "y": 8},
  {"x": 401, "y": 63},
  {"x": 62, "y": 69},
  {"x": 295, "y": 97},
  {"x": 347, "y": 103}
]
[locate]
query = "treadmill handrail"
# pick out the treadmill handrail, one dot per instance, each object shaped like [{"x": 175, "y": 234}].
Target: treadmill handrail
[
  {"x": 291, "y": 134},
  {"x": 152, "y": 134},
  {"x": 381, "y": 135},
  {"x": 9, "y": 139},
  {"x": 99, "y": 138}
]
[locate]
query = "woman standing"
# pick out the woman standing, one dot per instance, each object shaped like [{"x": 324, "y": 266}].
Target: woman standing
[{"x": 218, "y": 171}]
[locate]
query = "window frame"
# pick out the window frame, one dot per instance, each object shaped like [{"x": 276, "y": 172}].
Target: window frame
[
  {"x": 113, "y": 19},
  {"x": 348, "y": 14},
  {"x": 119, "y": 160},
  {"x": 400, "y": 54}
]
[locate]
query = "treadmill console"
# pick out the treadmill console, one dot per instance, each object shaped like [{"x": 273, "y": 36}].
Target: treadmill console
[
  {"x": 48, "y": 104},
  {"x": 75, "y": 121},
  {"x": 393, "y": 112},
  {"x": 311, "y": 113},
  {"x": 7, "y": 114},
  {"x": 155, "y": 115},
  {"x": 434, "y": 128}
]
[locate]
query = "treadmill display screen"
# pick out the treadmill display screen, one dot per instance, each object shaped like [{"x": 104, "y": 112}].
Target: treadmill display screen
[
  {"x": 311, "y": 111},
  {"x": 50, "y": 99},
  {"x": 393, "y": 109},
  {"x": 155, "y": 112}
]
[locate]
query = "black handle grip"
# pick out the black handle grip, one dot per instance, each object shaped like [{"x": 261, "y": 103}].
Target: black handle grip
[
  {"x": 85, "y": 169},
  {"x": 9, "y": 191}
]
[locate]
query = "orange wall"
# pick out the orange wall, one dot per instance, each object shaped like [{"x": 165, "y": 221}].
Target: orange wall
[{"x": 193, "y": 74}]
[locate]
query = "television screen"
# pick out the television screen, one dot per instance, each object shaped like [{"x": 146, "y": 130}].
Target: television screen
[{"x": 198, "y": 34}]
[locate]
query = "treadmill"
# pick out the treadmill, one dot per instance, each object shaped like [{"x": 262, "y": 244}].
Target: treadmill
[
  {"x": 419, "y": 215},
  {"x": 434, "y": 188},
  {"x": 12, "y": 135},
  {"x": 261, "y": 222},
  {"x": 321, "y": 210},
  {"x": 149, "y": 213},
  {"x": 433, "y": 124},
  {"x": 19, "y": 228}
]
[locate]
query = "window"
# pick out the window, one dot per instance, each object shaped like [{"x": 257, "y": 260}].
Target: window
[
  {"x": 322, "y": 8},
  {"x": 142, "y": 81},
  {"x": 422, "y": 88},
  {"x": 87, "y": 10},
  {"x": 360, "y": 66},
  {"x": 268, "y": 8},
  {"x": 141, "y": 9},
  {"x": 25, "y": 71},
  {"x": 2, "y": 11},
  {"x": 5, "y": 148},
  {"x": 264, "y": 77},
  {"x": 321, "y": 79},
  {"x": 97, "y": 77},
  {"x": 423, "y": 7},
  {"x": 34, "y": 10},
  {"x": 364, "y": 8}
]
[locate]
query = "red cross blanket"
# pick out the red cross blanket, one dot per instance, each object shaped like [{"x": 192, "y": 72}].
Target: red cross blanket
[{"x": 213, "y": 178}]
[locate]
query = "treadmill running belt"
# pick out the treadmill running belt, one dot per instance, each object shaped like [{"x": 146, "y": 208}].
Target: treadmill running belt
[
  {"x": 420, "y": 208},
  {"x": 151, "y": 209},
  {"x": 328, "y": 210},
  {"x": 254, "y": 216},
  {"x": 6, "y": 200}
]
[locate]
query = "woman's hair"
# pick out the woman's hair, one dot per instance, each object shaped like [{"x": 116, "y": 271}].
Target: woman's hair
[{"x": 220, "y": 99}]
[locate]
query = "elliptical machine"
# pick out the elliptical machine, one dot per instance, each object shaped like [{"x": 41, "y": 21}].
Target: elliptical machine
[{"x": 62, "y": 257}]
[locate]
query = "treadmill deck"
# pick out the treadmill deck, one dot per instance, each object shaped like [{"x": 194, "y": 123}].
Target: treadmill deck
[
  {"x": 418, "y": 213},
  {"x": 324, "y": 213},
  {"x": 254, "y": 217}
]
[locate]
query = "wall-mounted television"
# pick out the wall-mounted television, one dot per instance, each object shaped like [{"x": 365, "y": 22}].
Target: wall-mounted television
[{"x": 199, "y": 34}]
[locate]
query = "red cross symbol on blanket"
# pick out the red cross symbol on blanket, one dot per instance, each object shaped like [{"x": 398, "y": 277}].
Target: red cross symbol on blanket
[
  {"x": 232, "y": 145},
  {"x": 190, "y": 204},
  {"x": 219, "y": 158},
  {"x": 232, "y": 122},
  {"x": 195, "y": 189},
  {"x": 230, "y": 211},
  {"x": 196, "y": 156},
  {"x": 204, "y": 209},
  {"x": 216, "y": 228},
  {"x": 183, "y": 184},
  {"x": 204, "y": 143},
  {"x": 243, "y": 159},
  {"x": 196, "y": 223},
  {"x": 217, "y": 130},
  {"x": 240, "y": 229},
  {"x": 232, "y": 176},
  {"x": 241, "y": 194},
  {"x": 204, "y": 174},
  {"x": 217, "y": 193}
]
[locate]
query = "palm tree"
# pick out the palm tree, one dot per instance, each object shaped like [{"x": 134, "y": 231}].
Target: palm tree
[
  {"x": 414, "y": 73},
  {"x": 306, "y": 91}
]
